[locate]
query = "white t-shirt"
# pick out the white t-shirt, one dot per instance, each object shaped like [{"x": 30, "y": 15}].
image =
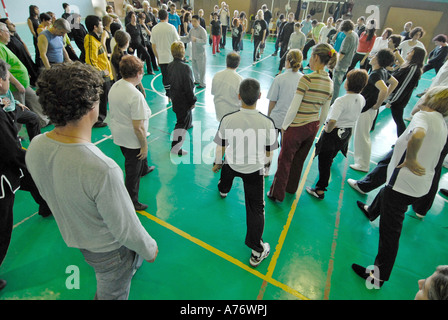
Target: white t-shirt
[
  {"x": 126, "y": 103},
  {"x": 379, "y": 44},
  {"x": 85, "y": 191},
  {"x": 346, "y": 110},
  {"x": 405, "y": 47},
  {"x": 247, "y": 134},
  {"x": 324, "y": 33},
  {"x": 282, "y": 90},
  {"x": 403, "y": 180},
  {"x": 163, "y": 35},
  {"x": 225, "y": 89},
  {"x": 223, "y": 15}
]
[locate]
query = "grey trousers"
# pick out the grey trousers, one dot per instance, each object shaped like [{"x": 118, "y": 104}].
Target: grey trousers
[
  {"x": 114, "y": 271},
  {"x": 29, "y": 98}
]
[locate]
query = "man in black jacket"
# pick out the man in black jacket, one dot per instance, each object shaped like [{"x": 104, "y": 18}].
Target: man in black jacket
[
  {"x": 180, "y": 78},
  {"x": 13, "y": 172}
]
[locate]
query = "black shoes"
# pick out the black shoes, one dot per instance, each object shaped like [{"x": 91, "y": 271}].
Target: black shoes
[
  {"x": 150, "y": 169},
  {"x": 361, "y": 206},
  {"x": 100, "y": 124},
  {"x": 314, "y": 193},
  {"x": 444, "y": 192},
  {"x": 140, "y": 206},
  {"x": 366, "y": 274}
]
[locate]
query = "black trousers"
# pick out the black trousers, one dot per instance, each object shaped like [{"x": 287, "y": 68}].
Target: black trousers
[
  {"x": 153, "y": 57},
  {"x": 6, "y": 222},
  {"x": 397, "y": 114},
  {"x": 223, "y": 37},
  {"x": 183, "y": 123},
  {"x": 254, "y": 197},
  {"x": 391, "y": 206},
  {"x": 164, "y": 72},
  {"x": 378, "y": 177},
  {"x": 104, "y": 99},
  {"x": 327, "y": 148},
  {"x": 134, "y": 169},
  {"x": 257, "y": 44},
  {"x": 143, "y": 54},
  {"x": 283, "y": 52},
  {"x": 6, "y": 210},
  {"x": 307, "y": 47}
]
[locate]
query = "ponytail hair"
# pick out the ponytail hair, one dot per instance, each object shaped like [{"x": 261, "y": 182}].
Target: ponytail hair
[
  {"x": 327, "y": 55},
  {"x": 295, "y": 58}
]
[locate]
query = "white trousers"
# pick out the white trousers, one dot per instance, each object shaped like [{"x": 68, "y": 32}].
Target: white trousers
[
  {"x": 198, "y": 65},
  {"x": 361, "y": 138}
]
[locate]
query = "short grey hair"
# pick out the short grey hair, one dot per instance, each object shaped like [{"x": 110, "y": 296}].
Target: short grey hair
[
  {"x": 3, "y": 26},
  {"x": 62, "y": 24},
  {"x": 439, "y": 284}
]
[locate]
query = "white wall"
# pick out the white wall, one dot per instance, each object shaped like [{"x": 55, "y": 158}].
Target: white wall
[{"x": 18, "y": 9}]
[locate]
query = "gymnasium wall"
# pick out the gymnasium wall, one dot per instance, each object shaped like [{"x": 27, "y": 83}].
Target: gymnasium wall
[
  {"x": 18, "y": 10},
  {"x": 384, "y": 8}
]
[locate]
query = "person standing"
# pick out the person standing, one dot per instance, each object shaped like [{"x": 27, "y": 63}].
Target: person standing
[
  {"x": 338, "y": 129},
  {"x": 137, "y": 41},
  {"x": 224, "y": 18},
  {"x": 215, "y": 32},
  {"x": 346, "y": 53},
  {"x": 409, "y": 176},
  {"x": 129, "y": 116},
  {"x": 174, "y": 19},
  {"x": 307, "y": 112},
  {"x": 33, "y": 23},
  {"x": 51, "y": 43},
  {"x": 258, "y": 37},
  {"x": 380, "y": 85},
  {"x": 283, "y": 88},
  {"x": 83, "y": 187},
  {"x": 96, "y": 56},
  {"x": 408, "y": 76},
  {"x": 225, "y": 87},
  {"x": 246, "y": 162},
  {"x": 181, "y": 83},
  {"x": 163, "y": 35},
  {"x": 197, "y": 37},
  {"x": 438, "y": 55},
  {"x": 13, "y": 172},
  {"x": 21, "y": 86}
]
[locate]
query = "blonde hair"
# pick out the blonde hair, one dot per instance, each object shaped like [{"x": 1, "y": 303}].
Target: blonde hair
[
  {"x": 437, "y": 99},
  {"x": 178, "y": 50},
  {"x": 327, "y": 55},
  {"x": 295, "y": 58}
]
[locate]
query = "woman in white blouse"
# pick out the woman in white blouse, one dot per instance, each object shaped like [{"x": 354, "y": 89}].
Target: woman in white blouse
[{"x": 406, "y": 46}]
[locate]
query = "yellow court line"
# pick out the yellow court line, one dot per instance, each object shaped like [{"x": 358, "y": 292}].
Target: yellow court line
[{"x": 224, "y": 255}]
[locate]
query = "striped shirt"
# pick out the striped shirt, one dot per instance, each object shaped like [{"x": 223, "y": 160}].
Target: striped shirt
[{"x": 316, "y": 89}]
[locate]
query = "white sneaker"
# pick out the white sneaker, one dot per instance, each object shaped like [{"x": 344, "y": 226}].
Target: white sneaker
[
  {"x": 354, "y": 184},
  {"x": 357, "y": 167},
  {"x": 222, "y": 194},
  {"x": 257, "y": 257}
]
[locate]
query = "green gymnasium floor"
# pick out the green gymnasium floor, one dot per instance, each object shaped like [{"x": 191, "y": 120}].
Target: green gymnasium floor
[{"x": 202, "y": 255}]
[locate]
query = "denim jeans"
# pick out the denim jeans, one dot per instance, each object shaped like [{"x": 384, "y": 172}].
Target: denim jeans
[{"x": 114, "y": 271}]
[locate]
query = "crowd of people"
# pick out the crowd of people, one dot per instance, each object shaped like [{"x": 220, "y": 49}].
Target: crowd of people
[{"x": 77, "y": 92}]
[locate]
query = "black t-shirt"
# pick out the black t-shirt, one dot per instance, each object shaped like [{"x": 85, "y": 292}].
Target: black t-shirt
[
  {"x": 259, "y": 27},
  {"x": 215, "y": 27},
  {"x": 370, "y": 91}
]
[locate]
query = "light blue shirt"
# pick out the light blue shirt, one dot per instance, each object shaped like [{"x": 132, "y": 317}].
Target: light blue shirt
[
  {"x": 282, "y": 90},
  {"x": 174, "y": 19},
  {"x": 12, "y": 104}
]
